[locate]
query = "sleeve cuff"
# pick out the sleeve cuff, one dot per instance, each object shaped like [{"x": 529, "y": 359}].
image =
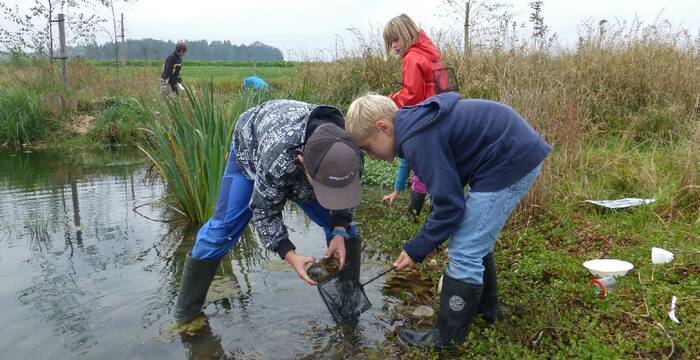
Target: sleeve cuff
[
  {"x": 416, "y": 254},
  {"x": 283, "y": 247},
  {"x": 339, "y": 220}
]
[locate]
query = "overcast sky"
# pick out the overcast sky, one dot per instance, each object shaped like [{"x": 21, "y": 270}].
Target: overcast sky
[{"x": 305, "y": 26}]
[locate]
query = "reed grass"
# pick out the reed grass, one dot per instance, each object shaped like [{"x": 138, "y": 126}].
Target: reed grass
[
  {"x": 23, "y": 118},
  {"x": 188, "y": 142}
]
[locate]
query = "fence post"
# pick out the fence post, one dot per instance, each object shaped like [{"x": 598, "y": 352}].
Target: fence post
[
  {"x": 122, "y": 54},
  {"x": 62, "y": 38}
]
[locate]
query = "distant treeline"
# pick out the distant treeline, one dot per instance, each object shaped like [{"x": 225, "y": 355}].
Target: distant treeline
[
  {"x": 229, "y": 63},
  {"x": 196, "y": 50}
]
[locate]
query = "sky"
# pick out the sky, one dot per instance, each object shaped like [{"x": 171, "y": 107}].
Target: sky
[{"x": 310, "y": 27}]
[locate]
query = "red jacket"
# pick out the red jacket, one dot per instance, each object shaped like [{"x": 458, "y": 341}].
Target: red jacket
[{"x": 417, "y": 72}]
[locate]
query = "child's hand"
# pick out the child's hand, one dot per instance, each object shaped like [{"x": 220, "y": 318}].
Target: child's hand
[
  {"x": 337, "y": 249},
  {"x": 403, "y": 262},
  {"x": 391, "y": 197},
  {"x": 298, "y": 263}
]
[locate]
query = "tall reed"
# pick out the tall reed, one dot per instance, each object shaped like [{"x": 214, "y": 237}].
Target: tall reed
[{"x": 188, "y": 142}]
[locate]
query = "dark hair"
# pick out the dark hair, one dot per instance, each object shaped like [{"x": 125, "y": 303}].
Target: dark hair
[{"x": 181, "y": 47}]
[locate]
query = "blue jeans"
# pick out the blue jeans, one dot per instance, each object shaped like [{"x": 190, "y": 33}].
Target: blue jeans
[
  {"x": 485, "y": 214},
  {"x": 223, "y": 230}
]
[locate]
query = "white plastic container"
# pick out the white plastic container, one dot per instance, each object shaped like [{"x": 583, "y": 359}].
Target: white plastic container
[
  {"x": 661, "y": 256},
  {"x": 608, "y": 267}
]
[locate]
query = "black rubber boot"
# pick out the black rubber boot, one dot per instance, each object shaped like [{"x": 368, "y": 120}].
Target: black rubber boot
[
  {"x": 458, "y": 303},
  {"x": 415, "y": 206},
  {"x": 196, "y": 278},
  {"x": 353, "y": 258},
  {"x": 489, "y": 307}
]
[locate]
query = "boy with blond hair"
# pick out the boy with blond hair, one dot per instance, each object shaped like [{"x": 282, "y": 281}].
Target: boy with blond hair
[{"x": 451, "y": 143}]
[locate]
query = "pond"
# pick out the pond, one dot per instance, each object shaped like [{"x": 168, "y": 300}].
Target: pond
[{"x": 90, "y": 262}]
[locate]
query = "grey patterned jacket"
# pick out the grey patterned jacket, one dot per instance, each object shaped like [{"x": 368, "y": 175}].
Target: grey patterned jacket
[{"x": 267, "y": 140}]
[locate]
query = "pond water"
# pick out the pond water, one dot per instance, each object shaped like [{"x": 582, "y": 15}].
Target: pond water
[{"x": 84, "y": 275}]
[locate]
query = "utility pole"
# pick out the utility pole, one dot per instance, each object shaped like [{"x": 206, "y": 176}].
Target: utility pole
[
  {"x": 62, "y": 38},
  {"x": 123, "y": 55}
]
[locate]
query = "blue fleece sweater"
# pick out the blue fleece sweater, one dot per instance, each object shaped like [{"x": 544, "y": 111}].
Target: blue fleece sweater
[{"x": 450, "y": 143}]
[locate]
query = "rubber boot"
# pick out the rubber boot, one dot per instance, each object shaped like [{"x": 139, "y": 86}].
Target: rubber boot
[
  {"x": 353, "y": 258},
  {"x": 196, "y": 278},
  {"x": 489, "y": 307},
  {"x": 458, "y": 304},
  {"x": 415, "y": 206}
]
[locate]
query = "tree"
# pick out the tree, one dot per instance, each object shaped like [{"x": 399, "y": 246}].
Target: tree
[
  {"x": 539, "y": 29},
  {"x": 196, "y": 50},
  {"x": 485, "y": 21},
  {"x": 33, "y": 28}
]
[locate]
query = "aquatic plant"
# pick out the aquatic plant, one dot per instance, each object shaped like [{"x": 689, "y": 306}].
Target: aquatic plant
[{"x": 188, "y": 142}]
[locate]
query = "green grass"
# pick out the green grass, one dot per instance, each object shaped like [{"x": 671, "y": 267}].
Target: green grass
[
  {"x": 550, "y": 310},
  {"x": 121, "y": 120},
  {"x": 379, "y": 173},
  {"x": 23, "y": 117},
  {"x": 230, "y": 77}
]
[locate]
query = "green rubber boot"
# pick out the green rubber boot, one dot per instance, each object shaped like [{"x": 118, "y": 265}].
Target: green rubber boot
[
  {"x": 196, "y": 278},
  {"x": 458, "y": 304},
  {"x": 353, "y": 259},
  {"x": 489, "y": 307}
]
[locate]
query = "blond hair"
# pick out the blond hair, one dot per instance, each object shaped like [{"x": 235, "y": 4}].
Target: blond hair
[
  {"x": 399, "y": 28},
  {"x": 364, "y": 113}
]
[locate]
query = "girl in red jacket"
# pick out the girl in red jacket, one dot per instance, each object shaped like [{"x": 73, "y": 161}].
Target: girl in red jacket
[{"x": 420, "y": 59}]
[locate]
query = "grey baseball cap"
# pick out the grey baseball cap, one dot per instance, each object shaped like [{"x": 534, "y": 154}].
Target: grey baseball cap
[{"x": 333, "y": 162}]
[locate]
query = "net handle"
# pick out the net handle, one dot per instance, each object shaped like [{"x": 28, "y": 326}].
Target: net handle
[{"x": 378, "y": 276}]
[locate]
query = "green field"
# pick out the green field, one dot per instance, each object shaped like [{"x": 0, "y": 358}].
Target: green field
[{"x": 222, "y": 73}]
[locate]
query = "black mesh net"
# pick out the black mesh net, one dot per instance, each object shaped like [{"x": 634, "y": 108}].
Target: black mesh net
[{"x": 344, "y": 298}]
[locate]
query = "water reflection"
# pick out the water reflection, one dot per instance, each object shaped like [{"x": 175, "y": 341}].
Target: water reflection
[
  {"x": 204, "y": 344},
  {"x": 83, "y": 275}
]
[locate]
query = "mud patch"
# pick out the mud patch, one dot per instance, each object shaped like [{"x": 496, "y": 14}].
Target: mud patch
[{"x": 81, "y": 125}]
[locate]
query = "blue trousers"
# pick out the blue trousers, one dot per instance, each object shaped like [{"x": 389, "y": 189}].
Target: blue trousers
[
  {"x": 485, "y": 214},
  {"x": 223, "y": 230}
]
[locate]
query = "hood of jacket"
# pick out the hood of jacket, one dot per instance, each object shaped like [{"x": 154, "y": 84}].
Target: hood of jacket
[
  {"x": 424, "y": 47},
  {"x": 411, "y": 120}
]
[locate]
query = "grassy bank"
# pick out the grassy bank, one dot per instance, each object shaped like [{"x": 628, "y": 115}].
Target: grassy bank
[
  {"x": 112, "y": 106},
  {"x": 550, "y": 311}
]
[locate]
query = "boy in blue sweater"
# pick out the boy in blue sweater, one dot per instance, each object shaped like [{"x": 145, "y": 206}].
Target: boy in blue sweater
[{"x": 451, "y": 143}]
